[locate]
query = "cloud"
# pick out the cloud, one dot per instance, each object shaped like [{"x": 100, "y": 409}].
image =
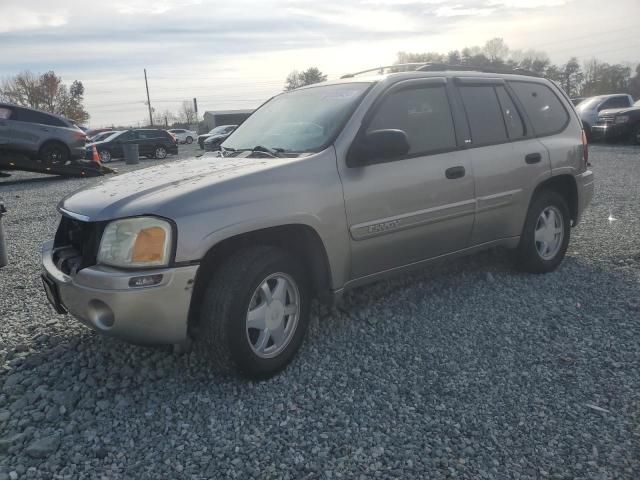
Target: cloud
[{"x": 238, "y": 52}]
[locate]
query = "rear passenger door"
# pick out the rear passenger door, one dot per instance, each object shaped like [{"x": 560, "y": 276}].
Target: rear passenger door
[
  {"x": 404, "y": 210},
  {"x": 508, "y": 161}
]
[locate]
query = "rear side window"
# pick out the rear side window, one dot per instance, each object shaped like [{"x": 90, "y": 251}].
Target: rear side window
[
  {"x": 32, "y": 116},
  {"x": 484, "y": 114},
  {"x": 423, "y": 113},
  {"x": 615, "y": 102},
  {"x": 543, "y": 107},
  {"x": 512, "y": 118}
]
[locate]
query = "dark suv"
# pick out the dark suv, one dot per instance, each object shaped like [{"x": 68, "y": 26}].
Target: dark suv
[
  {"x": 52, "y": 139},
  {"x": 152, "y": 143},
  {"x": 618, "y": 124}
]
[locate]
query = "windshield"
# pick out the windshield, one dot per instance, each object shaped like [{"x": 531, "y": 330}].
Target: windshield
[
  {"x": 111, "y": 136},
  {"x": 300, "y": 121},
  {"x": 218, "y": 130},
  {"x": 589, "y": 103}
]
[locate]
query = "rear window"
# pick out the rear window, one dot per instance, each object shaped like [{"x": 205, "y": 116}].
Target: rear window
[
  {"x": 543, "y": 107},
  {"x": 484, "y": 115}
]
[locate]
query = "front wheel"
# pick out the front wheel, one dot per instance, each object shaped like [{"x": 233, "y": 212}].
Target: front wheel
[
  {"x": 160, "y": 153},
  {"x": 189, "y": 140},
  {"x": 635, "y": 136},
  {"x": 546, "y": 232},
  {"x": 105, "y": 156},
  {"x": 255, "y": 312}
]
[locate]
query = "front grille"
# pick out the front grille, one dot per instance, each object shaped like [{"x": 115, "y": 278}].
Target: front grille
[{"x": 76, "y": 244}]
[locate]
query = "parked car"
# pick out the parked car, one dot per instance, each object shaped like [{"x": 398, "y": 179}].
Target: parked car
[
  {"x": 103, "y": 135},
  {"x": 221, "y": 131},
  {"x": 589, "y": 108},
  {"x": 183, "y": 136},
  {"x": 45, "y": 137},
  {"x": 393, "y": 172},
  {"x": 577, "y": 100},
  {"x": 213, "y": 143},
  {"x": 618, "y": 124},
  {"x": 152, "y": 143}
]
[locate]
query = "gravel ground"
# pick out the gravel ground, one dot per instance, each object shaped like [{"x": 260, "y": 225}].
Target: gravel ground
[{"x": 469, "y": 370}]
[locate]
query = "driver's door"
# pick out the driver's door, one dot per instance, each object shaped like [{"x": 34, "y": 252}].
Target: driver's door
[{"x": 415, "y": 207}]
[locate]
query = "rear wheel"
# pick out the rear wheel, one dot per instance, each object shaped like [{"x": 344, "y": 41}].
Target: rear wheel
[
  {"x": 54, "y": 153},
  {"x": 189, "y": 140},
  {"x": 546, "y": 233},
  {"x": 160, "y": 153},
  {"x": 255, "y": 312}
]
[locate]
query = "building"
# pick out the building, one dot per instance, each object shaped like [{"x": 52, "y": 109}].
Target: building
[{"x": 225, "y": 117}]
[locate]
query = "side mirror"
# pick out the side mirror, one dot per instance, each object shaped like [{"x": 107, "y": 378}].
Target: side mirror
[{"x": 378, "y": 145}]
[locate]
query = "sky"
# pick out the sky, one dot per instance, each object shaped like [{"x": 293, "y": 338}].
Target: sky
[{"x": 237, "y": 53}]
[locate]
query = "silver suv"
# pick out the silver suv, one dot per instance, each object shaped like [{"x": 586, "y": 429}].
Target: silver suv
[
  {"x": 321, "y": 190},
  {"x": 50, "y": 138}
]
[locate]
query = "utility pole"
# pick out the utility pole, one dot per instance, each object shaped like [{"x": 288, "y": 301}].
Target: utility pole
[{"x": 148, "y": 100}]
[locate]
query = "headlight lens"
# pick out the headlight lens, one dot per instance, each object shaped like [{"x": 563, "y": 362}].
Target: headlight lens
[
  {"x": 622, "y": 118},
  {"x": 136, "y": 242}
]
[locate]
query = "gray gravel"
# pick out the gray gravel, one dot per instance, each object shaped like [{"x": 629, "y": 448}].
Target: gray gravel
[{"x": 469, "y": 370}]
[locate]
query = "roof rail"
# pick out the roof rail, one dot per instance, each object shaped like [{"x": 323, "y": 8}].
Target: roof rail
[
  {"x": 436, "y": 67},
  {"x": 431, "y": 67},
  {"x": 381, "y": 69}
]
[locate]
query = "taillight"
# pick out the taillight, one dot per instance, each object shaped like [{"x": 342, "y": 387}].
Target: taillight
[{"x": 585, "y": 149}]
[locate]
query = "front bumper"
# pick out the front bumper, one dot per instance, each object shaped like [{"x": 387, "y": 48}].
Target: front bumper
[
  {"x": 586, "y": 186},
  {"x": 100, "y": 297},
  {"x": 609, "y": 131}
]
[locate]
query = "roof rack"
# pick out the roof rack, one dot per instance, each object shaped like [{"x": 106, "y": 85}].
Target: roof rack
[{"x": 436, "y": 67}]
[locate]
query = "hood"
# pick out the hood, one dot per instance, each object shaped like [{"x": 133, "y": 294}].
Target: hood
[
  {"x": 616, "y": 111},
  {"x": 151, "y": 190}
]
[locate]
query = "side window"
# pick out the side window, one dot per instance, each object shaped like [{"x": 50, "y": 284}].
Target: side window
[
  {"x": 543, "y": 107},
  {"x": 126, "y": 136},
  {"x": 423, "y": 113},
  {"x": 5, "y": 113},
  {"x": 512, "y": 118},
  {"x": 484, "y": 114},
  {"x": 32, "y": 116}
]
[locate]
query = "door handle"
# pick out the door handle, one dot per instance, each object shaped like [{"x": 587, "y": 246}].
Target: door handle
[
  {"x": 455, "y": 172},
  {"x": 533, "y": 158}
]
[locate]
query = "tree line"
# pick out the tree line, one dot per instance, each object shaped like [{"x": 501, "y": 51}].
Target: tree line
[
  {"x": 593, "y": 77},
  {"x": 46, "y": 92}
]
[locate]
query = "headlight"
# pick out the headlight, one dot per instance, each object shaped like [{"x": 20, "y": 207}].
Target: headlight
[
  {"x": 136, "y": 242},
  {"x": 622, "y": 119}
]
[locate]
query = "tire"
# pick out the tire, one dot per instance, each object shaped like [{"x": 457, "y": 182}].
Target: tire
[
  {"x": 54, "y": 153},
  {"x": 542, "y": 249},
  {"x": 635, "y": 136},
  {"x": 223, "y": 334},
  {"x": 105, "y": 156},
  {"x": 189, "y": 140},
  {"x": 160, "y": 153}
]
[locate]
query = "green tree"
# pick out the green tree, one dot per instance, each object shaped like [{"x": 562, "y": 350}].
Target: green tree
[{"x": 297, "y": 79}]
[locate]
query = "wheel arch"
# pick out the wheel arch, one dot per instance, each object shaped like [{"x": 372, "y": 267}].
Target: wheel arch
[
  {"x": 566, "y": 186},
  {"x": 300, "y": 239}
]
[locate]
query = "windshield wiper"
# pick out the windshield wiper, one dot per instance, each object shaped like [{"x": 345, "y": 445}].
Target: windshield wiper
[{"x": 273, "y": 152}]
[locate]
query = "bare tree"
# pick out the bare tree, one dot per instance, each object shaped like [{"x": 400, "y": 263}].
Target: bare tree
[
  {"x": 496, "y": 50},
  {"x": 187, "y": 113},
  {"x": 46, "y": 92}
]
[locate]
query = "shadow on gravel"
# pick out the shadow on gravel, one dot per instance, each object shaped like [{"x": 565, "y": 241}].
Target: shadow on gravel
[{"x": 24, "y": 181}]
